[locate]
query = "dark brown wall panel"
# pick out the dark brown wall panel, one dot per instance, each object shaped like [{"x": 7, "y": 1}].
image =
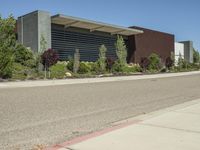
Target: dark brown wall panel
[{"x": 143, "y": 45}]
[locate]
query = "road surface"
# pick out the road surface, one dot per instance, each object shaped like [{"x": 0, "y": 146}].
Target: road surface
[{"x": 53, "y": 114}]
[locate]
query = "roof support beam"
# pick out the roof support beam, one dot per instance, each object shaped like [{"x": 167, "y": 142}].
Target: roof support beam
[
  {"x": 70, "y": 24},
  {"x": 117, "y": 32},
  {"x": 96, "y": 28}
]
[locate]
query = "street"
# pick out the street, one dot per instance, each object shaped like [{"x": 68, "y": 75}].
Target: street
[{"x": 53, "y": 114}]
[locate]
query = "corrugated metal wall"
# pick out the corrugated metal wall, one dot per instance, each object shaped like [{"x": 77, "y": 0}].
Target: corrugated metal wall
[{"x": 65, "y": 41}]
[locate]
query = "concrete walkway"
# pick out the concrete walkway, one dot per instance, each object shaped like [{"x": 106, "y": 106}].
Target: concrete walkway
[
  {"x": 90, "y": 80},
  {"x": 174, "y": 128}
]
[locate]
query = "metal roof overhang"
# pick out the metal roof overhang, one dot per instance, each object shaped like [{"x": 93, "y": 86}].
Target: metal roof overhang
[{"x": 92, "y": 26}]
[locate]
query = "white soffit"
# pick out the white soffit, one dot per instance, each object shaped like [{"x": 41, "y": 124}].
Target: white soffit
[{"x": 69, "y": 21}]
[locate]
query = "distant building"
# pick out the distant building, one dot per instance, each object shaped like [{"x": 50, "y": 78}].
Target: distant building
[
  {"x": 185, "y": 50},
  {"x": 179, "y": 51}
]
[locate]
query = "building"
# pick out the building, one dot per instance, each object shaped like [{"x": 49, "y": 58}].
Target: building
[
  {"x": 143, "y": 45},
  {"x": 184, "y": 49},
  {"x": 65, "y": 33},
  {"x": 179, "y": 51},
  {"x": 188, "y": 51}
]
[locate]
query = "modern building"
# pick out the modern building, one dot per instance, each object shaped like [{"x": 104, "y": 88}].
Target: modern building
[{"x": 65, "y": 33}]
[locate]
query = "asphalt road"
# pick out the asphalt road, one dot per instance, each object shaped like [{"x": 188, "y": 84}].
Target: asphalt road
[{"x": 51, "y": 115}]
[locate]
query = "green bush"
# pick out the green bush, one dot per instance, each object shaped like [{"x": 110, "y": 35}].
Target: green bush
[
  {"x": 131, "y": 69},
  {"x": 22, "y": 72},
  {"x": 58, "y": 71},
  {"x": 117, "y": 67},
  {"x": 32, "y": 63},
  {"x": 23, "y": 55},
  {"x": 85, "y": 68},
  {"x": 155, "y": 62}
]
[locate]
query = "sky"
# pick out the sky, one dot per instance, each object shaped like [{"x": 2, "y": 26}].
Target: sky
[{"x": 179, "y": 17}]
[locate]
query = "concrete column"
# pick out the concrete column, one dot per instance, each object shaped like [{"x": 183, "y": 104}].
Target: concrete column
[
  {"x": 32, "y": 26},
  {"x": 188, "y": 51}
]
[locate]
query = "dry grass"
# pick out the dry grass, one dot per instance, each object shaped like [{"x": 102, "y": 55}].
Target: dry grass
[{"x": 39, "y": 147}]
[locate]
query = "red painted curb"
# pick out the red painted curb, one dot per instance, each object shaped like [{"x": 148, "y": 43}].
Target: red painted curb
[{"x": 92, "y": 135}]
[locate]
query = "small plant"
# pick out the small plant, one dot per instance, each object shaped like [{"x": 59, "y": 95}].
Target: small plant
[
  {"x": 121, "y": 51},
  {"x": 109, "y": 63},
  {"x": 169, "y": 63},
  {"x": 76, "y": 63},
  {"x": 58, "y": 71},
  {"x": 85, "y": 68},
  {"x": 131, "y": 68},
  {"x": 154, "y": 62},
  {"x": 144, "y": 63},
  {"x": 102, "y": 58}
]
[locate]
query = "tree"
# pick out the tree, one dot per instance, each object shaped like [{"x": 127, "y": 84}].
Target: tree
[
  {"x": 102, "y": 58},
  {"x": 49, "y": 58},
  {"x": 7, "y": 46},
  {"x": 76, "y": 63},
  {"x": 196, "y": 56},
  {"x": 121, "y": 51}
]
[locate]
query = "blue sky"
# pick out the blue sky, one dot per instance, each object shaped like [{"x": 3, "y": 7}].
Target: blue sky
[{"x": 180, "y": 17}]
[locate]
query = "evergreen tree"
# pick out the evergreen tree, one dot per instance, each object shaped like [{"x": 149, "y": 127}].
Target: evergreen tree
[
  {"x": 121, "y": 51},
  {"x": 102, "y": 58},
  {"x": 196, "y": 56},
  {"x": 76, "y": 63}
]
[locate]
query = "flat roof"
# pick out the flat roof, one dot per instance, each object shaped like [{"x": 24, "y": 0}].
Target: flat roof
[{"x": 69, "y": 21}]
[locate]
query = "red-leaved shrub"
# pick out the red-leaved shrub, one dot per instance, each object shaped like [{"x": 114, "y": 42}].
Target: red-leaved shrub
[{"x": 49, "y": 58}]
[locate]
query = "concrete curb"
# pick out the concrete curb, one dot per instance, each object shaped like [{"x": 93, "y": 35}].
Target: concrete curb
[
  {"x": 92, "y": 135},
  {"x": 90, "y": 80}
]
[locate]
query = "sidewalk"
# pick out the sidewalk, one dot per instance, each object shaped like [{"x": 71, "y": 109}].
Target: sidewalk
[
  {"x": 90, "y": 80},
  {"x": 174, "y": 128}
]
